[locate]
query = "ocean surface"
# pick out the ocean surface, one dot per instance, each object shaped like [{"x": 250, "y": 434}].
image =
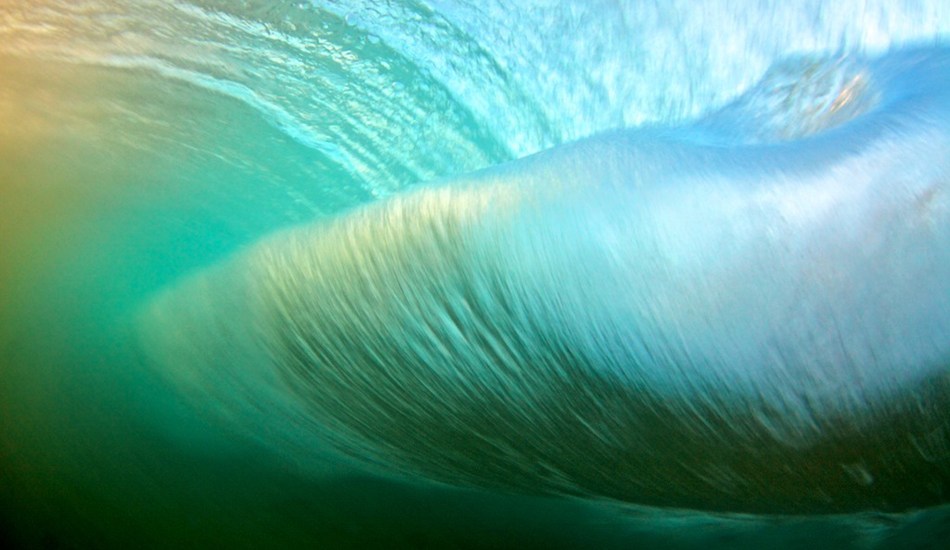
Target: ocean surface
[{"x": 144, "y": 141}]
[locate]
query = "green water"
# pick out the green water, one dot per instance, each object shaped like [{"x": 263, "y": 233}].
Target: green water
[{"x": 140, "y": 141}]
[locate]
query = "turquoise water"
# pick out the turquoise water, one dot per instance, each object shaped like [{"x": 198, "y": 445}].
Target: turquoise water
[{"x": 143, "y": 142}]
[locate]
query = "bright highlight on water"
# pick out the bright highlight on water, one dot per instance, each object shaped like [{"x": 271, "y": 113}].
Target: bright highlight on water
[{"x": 440, "y": 275}]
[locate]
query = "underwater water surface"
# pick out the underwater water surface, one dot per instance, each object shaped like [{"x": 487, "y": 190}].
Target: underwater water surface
[{"x": 143, "y": 143}]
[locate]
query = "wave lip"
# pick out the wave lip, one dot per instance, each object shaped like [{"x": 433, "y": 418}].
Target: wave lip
[{"x": 705, "y": 317}]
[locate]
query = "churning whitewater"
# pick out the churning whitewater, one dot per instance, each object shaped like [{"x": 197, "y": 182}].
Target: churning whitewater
[{"x": 750, "y": 313}]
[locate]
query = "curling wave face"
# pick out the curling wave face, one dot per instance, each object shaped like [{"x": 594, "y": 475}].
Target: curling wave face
[{"x": 750, "y": 313}]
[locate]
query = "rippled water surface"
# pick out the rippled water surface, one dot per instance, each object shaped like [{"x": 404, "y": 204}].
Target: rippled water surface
[{"x": 141, "y": 141}]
